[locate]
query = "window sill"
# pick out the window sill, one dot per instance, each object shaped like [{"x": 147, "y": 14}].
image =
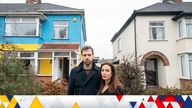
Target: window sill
[
  {"x": 157, "y": 40},
  {"x": 185, "y": 78},
  {"x": 23, "y": 36},
  {"x": 182, "y": 38}
]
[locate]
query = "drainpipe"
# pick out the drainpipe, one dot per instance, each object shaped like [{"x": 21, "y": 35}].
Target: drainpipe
[{"x": 135, "y": 35}]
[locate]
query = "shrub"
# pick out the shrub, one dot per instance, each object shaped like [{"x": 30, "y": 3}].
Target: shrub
[
  {"x": 166, "y": 91},
  {"x": 54, "y": 88},
  {"x": 15, "y": 78},
  {"x": 131, "y": 74}
]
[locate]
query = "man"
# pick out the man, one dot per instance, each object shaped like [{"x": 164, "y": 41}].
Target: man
[{"x": 85, "y": 79}]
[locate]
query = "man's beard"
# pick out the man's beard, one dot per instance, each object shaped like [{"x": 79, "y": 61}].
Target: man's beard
[{"x": 87, "y": 62}]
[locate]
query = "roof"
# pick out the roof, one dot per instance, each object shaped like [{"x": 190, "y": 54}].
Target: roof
[
  {"x": 59, "y": 46},
  {"x": 16, "y": 7},
  {"x": 177, "y": 9}
]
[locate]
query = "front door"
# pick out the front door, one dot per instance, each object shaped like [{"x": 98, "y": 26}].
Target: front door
[
  {"x": 151, "y": 72},
  {"x": 66, "y": 68}
]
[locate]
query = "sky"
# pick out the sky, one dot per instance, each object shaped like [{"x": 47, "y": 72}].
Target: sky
[{"x": 103, "y": 19}]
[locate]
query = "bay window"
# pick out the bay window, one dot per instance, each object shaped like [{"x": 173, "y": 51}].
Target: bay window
[
  {"x": 22, "y": 26},
  {"x": 186, "y": 65},
  {"x": 185, "y": 27}
]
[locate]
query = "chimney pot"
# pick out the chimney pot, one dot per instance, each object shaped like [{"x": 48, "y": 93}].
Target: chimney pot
[
  {"x": 172, "y": 1},
  {"x": 31, "y": 2}
]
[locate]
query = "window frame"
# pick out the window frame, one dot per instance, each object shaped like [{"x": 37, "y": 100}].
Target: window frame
[
  {"x": 21, "y": 20},
  {"x": 186, "y": 73},
  {"x": 150, "y": 30},
  {"x": 188, "y": 23},
  {"x": 183, "y": 27},
  {"x": 61, "y": 26},
  {"x": 119, "y": 45}
]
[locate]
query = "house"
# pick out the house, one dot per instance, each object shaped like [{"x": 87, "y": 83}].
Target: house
[
  {"x": 162, "y": 34},
  {"x": 47, "y": 36}
]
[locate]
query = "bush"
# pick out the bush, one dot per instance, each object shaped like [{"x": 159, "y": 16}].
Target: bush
[
  {"x": 15, "y": 77},
  {"x": 166, "y": 91},
  {"x": 54, "y": 88},
  {"x": 131, "y": 74}
]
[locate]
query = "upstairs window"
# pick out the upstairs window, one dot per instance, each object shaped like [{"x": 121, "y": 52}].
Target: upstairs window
[
  {"x": 22, "y": 26},
  {"x": 180, "y": 28},
  {"x": 189, "y": 27},
  {"x": 185, "y": 27},
  {"x": 61, "y": 29},
  {"x": 157, "y": 31}
]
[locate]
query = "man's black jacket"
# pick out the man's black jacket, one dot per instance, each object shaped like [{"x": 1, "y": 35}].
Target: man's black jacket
[{"x": 82, "y": 84}]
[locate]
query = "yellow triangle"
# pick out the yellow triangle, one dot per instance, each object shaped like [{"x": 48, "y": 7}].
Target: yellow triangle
[
  {"x": 12, "y": 103},
  {"x": 76, "y": 105},
  {"x": 4, "y": 98},
  {"x": 36, "y": 103},
  {"x": 2, "y": 106}
]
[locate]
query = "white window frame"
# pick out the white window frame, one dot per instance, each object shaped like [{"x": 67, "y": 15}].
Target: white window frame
[
  {"x": 20, "y": 20},
  {"x": 183, "y": 27},
  {"x": 190, "y": 23},
  {"x": 180, "y": 28},
  {"x": 61, "y": 26},
  {"x": 19, "y": 55},
  {"x": 150, "y": 29},
  {"x": 119, "y": 45},
  {"x": 186, "y": 73}
]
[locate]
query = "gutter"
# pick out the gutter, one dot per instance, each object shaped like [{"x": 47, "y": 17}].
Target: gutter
[
  {"x": 81, "y": 11},
  {"x": 135, "y": 40},
  {"x": 39, "y": 14}
]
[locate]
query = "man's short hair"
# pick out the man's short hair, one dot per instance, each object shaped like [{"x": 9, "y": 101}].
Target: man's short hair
[{"x": 86, "y": 47}]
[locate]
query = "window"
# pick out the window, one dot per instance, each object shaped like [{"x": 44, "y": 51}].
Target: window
[
  {"x": 119, "y": 45},
  {"x": 156, "y": 30},
  {"x": 185, "y": 27},
  {"x": 189, "y": 27},
  {"x": 190, "y": 65},
  {"x": 186, "y": 65},
  {"x": 183, "y": 70},
  {"x": 180, "y": 28},
  {"x": 28, "y": 59},
  {"x": 61, "y": 29},
  {"x": 22, "y": 26}
]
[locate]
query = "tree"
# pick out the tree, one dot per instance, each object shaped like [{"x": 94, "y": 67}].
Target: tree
[
  {"x": 131, "y": 74},
  {"x": 15, "y": 78}
]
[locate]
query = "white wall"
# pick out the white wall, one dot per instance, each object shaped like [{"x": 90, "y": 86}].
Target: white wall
[
  {"x": 127, "y": 43},
  {"x": 167, "y": 46},
  {"x": 168, "y": 75}
]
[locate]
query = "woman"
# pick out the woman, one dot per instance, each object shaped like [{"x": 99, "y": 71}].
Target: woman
[{"x": 110, "y": 84}]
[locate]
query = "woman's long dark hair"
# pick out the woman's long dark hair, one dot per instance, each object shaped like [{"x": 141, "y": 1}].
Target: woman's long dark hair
[{"x": 114, "y": 82}]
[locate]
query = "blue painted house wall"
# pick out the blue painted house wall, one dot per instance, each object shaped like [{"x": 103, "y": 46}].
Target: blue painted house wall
[
  {"x": 2, "y": 27},
  {"x": 75, "y": 31}
]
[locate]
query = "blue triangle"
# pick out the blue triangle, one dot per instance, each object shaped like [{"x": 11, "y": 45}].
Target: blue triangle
[
  {"x": 10, "y": 97},
  {"x": 187, "y": 103},
  {"x": 17, "y": 106},
  {"x": 133, "y": 104},
  {"x": 179, "y": 98},
  {"x": 161, "y": 97}
]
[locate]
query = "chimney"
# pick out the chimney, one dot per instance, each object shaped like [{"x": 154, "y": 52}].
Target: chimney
[
  {"x": 172, "y": 1},
  {"x": 31, "y": 2}
]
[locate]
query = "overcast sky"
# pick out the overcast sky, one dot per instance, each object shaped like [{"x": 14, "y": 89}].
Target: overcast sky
[{"x": 103, "y": 19}]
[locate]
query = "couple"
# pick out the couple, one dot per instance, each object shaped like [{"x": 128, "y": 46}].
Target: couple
[{"x": 88, "y": 79}]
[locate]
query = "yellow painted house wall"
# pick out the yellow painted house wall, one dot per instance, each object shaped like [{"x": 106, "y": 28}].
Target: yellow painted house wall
[
  {"x": 45, "y": 67},
  {"x": 24, "y": 47}
]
